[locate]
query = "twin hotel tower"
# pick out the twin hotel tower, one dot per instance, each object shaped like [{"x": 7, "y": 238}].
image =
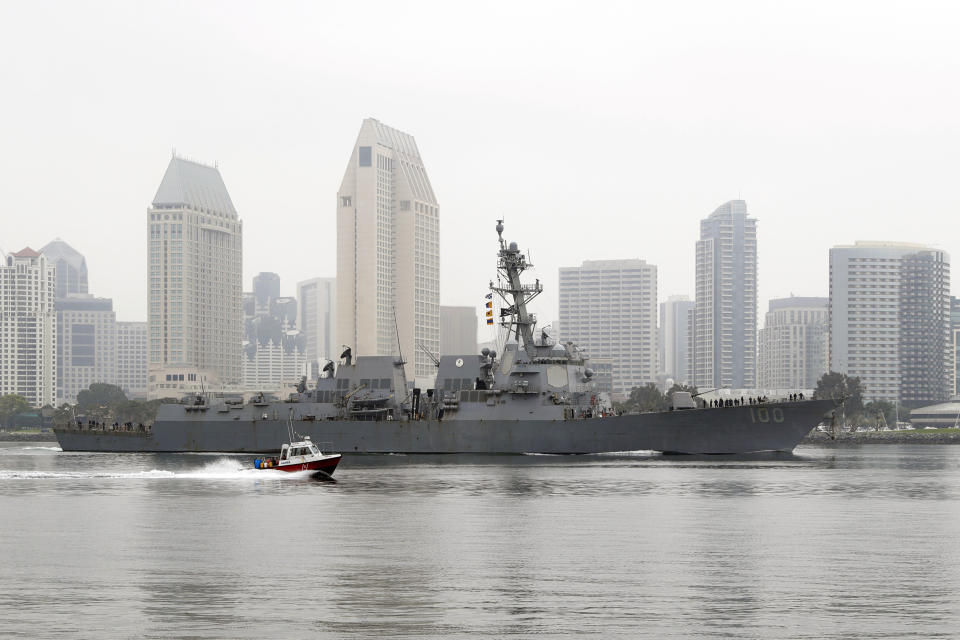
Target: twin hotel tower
[{"x": 889, "y": 318}]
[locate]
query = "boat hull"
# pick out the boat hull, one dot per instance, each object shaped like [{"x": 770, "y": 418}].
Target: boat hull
[
  {"x": 327, "y": 464},
  {"x": 729, "y": 430}
]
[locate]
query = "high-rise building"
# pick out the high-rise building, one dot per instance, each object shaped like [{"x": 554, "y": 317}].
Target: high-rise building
[
  {"x": 318, "y": 318},
  {"x": 194, "y": 277},
  {"x": 132, "y": 358},
  {"x": 388, "y": 251},
  {"x": 890, "y": 319},
  {"x": 458, "y": 331},
  {"x": 674, "y": 338},
  {"x": 71, "y": 267},
  {"x": 86, "y": 344},
  {"x": 28, "y": 327},
  {"x": 274, "y": 349},
  {"x": 793, "y": 344},
  {"x": 266, "y": 288},
  {"x": 725, "y": 321},
  {"x": 609, "y": 309}
]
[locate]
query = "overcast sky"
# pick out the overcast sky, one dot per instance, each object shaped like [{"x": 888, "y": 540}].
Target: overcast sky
[{"x": 597, "y": 130}]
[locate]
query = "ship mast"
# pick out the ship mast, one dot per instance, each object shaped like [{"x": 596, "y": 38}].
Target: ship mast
[{"x": 516, "y": 295}]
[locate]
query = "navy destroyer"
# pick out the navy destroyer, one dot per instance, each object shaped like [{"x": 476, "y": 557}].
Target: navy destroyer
[{"x": 534, "y": 397}]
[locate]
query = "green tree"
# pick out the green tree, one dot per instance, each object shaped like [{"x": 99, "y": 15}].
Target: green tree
[
  {"x": 101, "y": 401},
  {"x": 11, "y": 405},
  {"x": 878, "y": 412},
  {"x": 646, "y": 398},
  {"x": 838, "y": 386}
]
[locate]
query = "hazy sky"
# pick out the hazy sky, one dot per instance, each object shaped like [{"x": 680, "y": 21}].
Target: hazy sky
[{"x": 597, "y": 130}]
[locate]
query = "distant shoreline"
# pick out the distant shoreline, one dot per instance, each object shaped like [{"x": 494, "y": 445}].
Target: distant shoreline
[
  {"x": 27, "y": 436},
  {"x": 918, "y": 436}
]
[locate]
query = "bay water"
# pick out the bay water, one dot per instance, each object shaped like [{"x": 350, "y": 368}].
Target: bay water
[{"x": 857, "y": 542}]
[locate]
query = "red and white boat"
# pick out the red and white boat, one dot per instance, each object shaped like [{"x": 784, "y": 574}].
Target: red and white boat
[{"x": 301, "y": 456}]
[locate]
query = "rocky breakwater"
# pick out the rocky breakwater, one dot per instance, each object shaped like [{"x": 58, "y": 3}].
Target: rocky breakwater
[{"x": 917, "y": 436}]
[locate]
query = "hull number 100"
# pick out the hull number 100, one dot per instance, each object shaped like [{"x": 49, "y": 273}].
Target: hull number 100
[{"x": 762, "y": 414}]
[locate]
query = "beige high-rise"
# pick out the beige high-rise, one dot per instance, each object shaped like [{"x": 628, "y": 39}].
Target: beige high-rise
[
  {"x": 194, "y": 291},
  {"x": 388, "y": 251}
]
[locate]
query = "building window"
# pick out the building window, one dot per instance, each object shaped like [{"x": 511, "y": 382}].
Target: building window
[
  {"x": 346, "y": 201},
  {"x": 366, "y": 156}
]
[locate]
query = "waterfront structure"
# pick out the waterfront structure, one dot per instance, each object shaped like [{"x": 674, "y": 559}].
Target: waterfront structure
[
  {"x": 194, "y": 272},
  {"x": 725, "y": 321},
  {"x": 609, "y": 309},
  {"x": 890, "y": 319},
  {"x": 132, "y": 358},
  {"x": 28, "y": 327},
  {"x": 86, "y": 344},
  {"x": 458, "y": 330},
  {"x": 388, "y": 251},
  {"x": 71, "y": 267},
  {"x": 793, "y": 343},
  {"x": 318, "y": 318},
  {"x": 674, "y": 338}
]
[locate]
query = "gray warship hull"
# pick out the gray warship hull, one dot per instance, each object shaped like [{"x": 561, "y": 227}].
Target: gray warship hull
[{"x": 729, "y": 430}]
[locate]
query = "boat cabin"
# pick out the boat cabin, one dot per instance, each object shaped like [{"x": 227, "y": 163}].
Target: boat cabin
[{"x": 297, "y": 451}]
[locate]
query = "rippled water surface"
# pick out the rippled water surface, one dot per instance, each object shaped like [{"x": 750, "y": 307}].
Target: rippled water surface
[{"x": 827, "y": 543}]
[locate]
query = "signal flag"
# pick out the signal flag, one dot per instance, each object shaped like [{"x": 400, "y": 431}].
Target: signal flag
[
  {"x": 490, "y": 313},
  {"x": 489, "y": 320},
  {"x": 489, "y": 305},
  {"x": 489, "y": 296}
]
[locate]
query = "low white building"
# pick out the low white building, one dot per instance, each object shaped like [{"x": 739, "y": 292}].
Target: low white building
[{"x": 271, "y": 367}]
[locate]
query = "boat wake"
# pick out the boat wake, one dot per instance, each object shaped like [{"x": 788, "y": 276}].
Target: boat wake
[{"x": 217, "y": 470}]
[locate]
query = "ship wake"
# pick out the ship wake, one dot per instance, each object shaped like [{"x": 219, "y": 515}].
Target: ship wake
[{"x": 216, "y": 470}]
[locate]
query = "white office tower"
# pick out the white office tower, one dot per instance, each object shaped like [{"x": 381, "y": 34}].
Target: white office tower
[
  {"x": 388, "y": 251},
  {"x": 28, "y": 327},
  {"x": 86, "y": 344},
  {"x": 793, "y": 344},
  {"x": 674, "y": 337},
  {"x": 890, "y": 319},
  {"x": 317, "y": 298},
  {"x": 132, "y": 358},
  {"x": 609, "y": 309},
  {"x": 458, "y": 331},
  {"x": 725, "y": 320},
  {"x": 194, "y": 278}
]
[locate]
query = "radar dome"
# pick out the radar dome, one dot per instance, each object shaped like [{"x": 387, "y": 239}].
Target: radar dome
[
  {"x": 588, "y": 372},
  {"x": 485, "y": 351},
  {"x": 493, "y": 353},
  {"x": 513, "y": 246}
]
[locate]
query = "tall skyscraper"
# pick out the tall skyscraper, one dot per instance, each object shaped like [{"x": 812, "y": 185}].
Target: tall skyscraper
[
  {"x": 674, "y": 317},
  {"x": 132, "y": 358},
  {"x": 86, "y": 326},
  {"x": 793, "y": 344},
  {"x": 71, "y": 267},
  {"x": 194, "y": 277},
  {"x": 458, "y": 331},
  {"x": 609, "y": 309},
  {"x": 86, "y": 344},
  {"x": 318, "y": 318},
  {"x": 28, "y": 327},
  {"x": 266, "y": 288},
  {"x": 890, "y": 319},
  {"x": 388, "y": 251},
  {"x": 725, "y": 321}
]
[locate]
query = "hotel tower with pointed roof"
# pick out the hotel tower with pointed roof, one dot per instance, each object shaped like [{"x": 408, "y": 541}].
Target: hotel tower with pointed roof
[
  {"x": 388, "y": 251},
  {"x": 194, "y": 282}
]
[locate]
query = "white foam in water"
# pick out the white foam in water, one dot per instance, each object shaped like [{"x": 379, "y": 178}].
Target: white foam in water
[
  {"x": 42, "y": 448},
  {"x": 218, "y": 470}
]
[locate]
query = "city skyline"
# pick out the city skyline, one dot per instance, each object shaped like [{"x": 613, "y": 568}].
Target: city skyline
[{"x": 639, "y": 143}]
